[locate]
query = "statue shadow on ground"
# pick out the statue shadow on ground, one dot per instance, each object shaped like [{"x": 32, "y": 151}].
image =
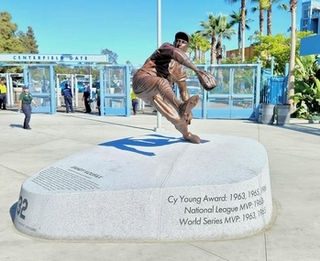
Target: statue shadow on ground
[{"x": 152, "y": 140}]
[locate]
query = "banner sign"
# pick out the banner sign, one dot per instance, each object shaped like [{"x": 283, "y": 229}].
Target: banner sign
[
  {"x": 310, "y": 45},
  {"x": 24, "y": 57}
]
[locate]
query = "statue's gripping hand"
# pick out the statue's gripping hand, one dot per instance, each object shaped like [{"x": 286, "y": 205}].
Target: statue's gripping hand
[{"x": 207, "y": 80}]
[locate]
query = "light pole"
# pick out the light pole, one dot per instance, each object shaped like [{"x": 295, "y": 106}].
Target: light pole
[{"x": 158, "y": 128}]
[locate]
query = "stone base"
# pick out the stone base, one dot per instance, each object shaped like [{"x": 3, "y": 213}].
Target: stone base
[{"x": 151, "y": 188}]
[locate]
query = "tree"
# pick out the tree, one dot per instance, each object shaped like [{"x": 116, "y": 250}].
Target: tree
[
  {"x": 210, "y": 32},
  {"x": 262, "y": 6},
  {"x": 269, "y": 14},
  {"x": 243, "y": 26},
  {"x": 9, "y": 43},
  {"x": 28, "y": 41},
  {"x": 194, "y": 45},
  {"x": 236, "y": 19},
  {"x": 224, "y": 31},
  {"x": 112, "y": 57},
  {"x": 198, "y": 45},
  {"x": 216, "y": 27},
  {"x": 293, "y": 8},
  {"x": 254, "y": 37},
  {"x": 204, "y": 46},
  {"x": 307, "y": 87},
  {"x": 277, "y": 46},
  {"x": 32, "y": 43},
  {"x": 243, "y": 22}
]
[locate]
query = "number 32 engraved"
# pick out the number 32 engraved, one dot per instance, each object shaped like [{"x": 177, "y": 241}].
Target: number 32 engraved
[{"x": 22, "y": 206}]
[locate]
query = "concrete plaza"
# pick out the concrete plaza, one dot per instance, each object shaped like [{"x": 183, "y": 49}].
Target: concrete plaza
[{"x": 294, "y": 159}]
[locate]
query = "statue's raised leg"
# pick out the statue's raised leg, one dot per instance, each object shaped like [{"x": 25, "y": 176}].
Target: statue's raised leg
[{"x": 179, "y": 116}]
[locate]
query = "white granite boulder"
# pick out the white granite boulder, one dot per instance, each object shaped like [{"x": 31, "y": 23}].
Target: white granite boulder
[{"x": 151, "y": 188}]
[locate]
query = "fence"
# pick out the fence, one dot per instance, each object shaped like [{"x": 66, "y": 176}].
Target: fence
[{"x": 273, "y": 88}]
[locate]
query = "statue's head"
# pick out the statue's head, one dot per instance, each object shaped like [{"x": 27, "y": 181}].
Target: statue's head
[{"x": 181, "y": 40}]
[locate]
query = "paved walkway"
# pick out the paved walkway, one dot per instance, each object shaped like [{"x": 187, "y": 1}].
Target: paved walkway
[{"x": 294, "y": 166}]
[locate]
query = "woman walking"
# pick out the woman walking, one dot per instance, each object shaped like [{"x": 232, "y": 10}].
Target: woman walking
[{"x": 25, "y": 104}]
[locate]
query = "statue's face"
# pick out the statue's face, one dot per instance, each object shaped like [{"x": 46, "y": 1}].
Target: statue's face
[{"x": 181, "y": 44}]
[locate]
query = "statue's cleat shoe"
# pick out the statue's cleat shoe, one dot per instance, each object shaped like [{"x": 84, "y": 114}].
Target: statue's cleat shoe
[
  {"x": 185, "y": 109},
  {"x": 193, "y": 138}
]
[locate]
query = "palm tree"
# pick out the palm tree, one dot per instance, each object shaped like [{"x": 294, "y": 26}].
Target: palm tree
[
  {"x": 224, "y": 31},
  {"x": 243, "y": 26},
  {"x": 262, "y": 6},
  {"x": 269, "y": 14},
  {"x": 204, "y": 46},
  {"x": 198, "y": 46},
  {"x": 254, "y": 37},
  {"x": 216, "y": 27},
  {"x": 210, "y": 32},
  {"x": 236, "y": 19},
  {"x": 243, "y": 22},
  {"x": 293, "y": 9},
  {"x": 194, "y": 45}
]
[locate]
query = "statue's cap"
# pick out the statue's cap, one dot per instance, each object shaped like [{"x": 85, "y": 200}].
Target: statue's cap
[{"x": 182, "y": 36}]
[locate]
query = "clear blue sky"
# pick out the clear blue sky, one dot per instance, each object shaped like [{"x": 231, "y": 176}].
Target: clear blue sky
[{"x": 126, "y": 27}]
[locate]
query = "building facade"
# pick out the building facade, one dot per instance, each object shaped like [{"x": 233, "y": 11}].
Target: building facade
[{"x": 310, "y": 16}]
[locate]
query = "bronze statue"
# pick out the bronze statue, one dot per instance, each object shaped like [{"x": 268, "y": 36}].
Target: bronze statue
[{"x": 153, "y": 83}]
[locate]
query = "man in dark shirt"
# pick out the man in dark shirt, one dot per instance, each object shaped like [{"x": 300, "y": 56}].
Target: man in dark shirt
[
  {"x": 86, "y": 98},
  {"x": 154, "y": 80},
  {"x": 67, "y": 93}
]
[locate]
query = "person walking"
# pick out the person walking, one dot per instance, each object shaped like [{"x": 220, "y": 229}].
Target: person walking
[
  {"x": 67, "y": 93},
  {"x": 86, "y": 98},
  {"x": 134, "y": 101},
  {"x": 25, "y": 104},
  {"x": 3, "y": 94},
  {"x": 97, "y": 97}
]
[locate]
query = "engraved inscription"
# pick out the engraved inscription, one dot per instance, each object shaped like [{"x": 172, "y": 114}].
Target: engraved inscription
[
  {"x": 76, "y": 179},
  {"x": 243, "y": 206}
]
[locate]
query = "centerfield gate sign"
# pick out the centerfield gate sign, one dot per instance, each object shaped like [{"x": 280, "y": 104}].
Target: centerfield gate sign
[{"x": 24, "y": 57}]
